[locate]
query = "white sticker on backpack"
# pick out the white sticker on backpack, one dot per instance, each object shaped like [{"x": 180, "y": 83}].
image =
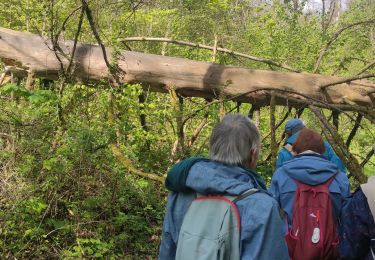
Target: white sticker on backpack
[{"x": 316, "y": 235}]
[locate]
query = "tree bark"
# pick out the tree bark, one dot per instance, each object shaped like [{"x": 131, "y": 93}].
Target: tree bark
[{"x": 189, "y": 78}]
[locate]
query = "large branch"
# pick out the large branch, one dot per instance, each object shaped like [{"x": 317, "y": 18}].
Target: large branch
[
  {"x": 189, "y": 78},
  {"x": 348, "y": 80},
  {"x": 215, "y": 49}
]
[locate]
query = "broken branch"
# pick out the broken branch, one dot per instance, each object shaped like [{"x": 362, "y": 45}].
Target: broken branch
[{"x": 215, "y": 48}]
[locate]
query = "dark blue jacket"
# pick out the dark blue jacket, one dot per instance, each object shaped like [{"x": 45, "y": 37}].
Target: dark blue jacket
[
  {"x": 262, "y": 235},
  {"x": 357, "y": 228},
  {"x": 284, "y": 155},
  {"x": 310, "y": 169}
]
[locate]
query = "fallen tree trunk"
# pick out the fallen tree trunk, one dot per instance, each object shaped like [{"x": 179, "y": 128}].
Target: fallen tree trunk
[{"x": 35, "y": 54}]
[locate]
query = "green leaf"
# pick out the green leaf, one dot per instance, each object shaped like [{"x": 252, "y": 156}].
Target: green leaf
[
  {"x": 17, "y": 90},
  {"x": 28, "y": 232}
]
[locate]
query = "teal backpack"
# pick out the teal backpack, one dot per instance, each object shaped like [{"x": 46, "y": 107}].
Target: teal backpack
[{"x": 211, "y": 229}]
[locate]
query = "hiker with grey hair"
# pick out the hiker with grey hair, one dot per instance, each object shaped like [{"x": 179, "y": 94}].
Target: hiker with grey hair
[{"x": 218, "y": 208}]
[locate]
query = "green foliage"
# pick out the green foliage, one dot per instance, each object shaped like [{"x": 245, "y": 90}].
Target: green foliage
[
  {"x": 91, "y": 248},
  {"x": 15, "y": 89},
  {"x": 65, "y": 194}
]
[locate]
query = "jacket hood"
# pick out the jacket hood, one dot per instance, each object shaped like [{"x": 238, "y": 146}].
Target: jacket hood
[
  {"x": 209, "y": 177},
  {"x": 310, "y": 169}
]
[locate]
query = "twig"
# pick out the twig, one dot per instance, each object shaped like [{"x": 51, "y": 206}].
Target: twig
[
  {"x": 76, "y": 40},
  {"x": 310, "y": 101},
  {"x": 333, "y": 39},
  {"x": 360, "y": 156},
  {"x": 55, "y": 40},
  {"x": 198, "y": 130},
  {"x": 369, "y": 66},
  {"x": 279, "y": 123},
  {"x": 367, "y": 112},
  {"x": 253, "y": 109},
  {"x": 347, "y": 59},
  {"x": 299, "y": 112},
  {"x": 66, "y": 20},
  {"x": 278, "y": 145},
  {"x": 354, "y": 130},
  {"x": 47, "y": 209},
  {"x": 368, "y": 157},
  {"x": 335, "y": 119},
  {"x": 347, "y": 80},
  {"x": 128, "y": 164},
  {"x": 113, "y": 69},
  {"x": 238, "y": 107},
  {"x": 53, "y": 231},
  {"x": 95, "y": 31},
  {"x": 214, "y": 49},
  {"x": 202, "y": 46},
  {"x": 323, "y": 15},
  {"x": 332, "y": 7}
]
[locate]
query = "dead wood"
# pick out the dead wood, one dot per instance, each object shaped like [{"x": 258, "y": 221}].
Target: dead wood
[{"x": 189, "y": 78}]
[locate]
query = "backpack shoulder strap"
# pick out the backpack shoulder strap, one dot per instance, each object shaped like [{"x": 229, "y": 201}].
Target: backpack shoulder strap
[
  {"x": 234, "y": 199},
  {"x": 289, "y": 148},
  {"x": 245, "y": 194},
  {"x": 328, "y": 182}
]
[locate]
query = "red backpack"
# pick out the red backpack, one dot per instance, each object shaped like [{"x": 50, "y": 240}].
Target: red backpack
[{"x": 313, "y": 234}]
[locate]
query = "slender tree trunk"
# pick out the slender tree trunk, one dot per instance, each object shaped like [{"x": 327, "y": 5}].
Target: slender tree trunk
[
  {"x": 339, "y": 146},
  {"x": 273, "y": 132}
]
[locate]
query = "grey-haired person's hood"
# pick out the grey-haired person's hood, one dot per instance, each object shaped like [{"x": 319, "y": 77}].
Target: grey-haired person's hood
[{"x": 209, "y": 177}]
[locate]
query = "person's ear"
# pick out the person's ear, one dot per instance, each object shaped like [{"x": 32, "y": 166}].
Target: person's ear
[{"x": 253, "y": 157}]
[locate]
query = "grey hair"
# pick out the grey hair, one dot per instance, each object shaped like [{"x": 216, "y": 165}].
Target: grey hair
[{"x": 233, "y": 139}]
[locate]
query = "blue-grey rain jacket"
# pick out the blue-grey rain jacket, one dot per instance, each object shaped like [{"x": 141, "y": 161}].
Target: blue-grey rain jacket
[
  {"x": 262, "y": 234},
  {"x": 311, "y": 169},
  {"x": 284, "y": 155}
]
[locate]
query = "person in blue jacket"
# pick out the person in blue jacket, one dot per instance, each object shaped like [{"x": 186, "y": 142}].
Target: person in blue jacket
[
  {"x": 292, "y": 128},
  {"x": 309, "y": 167},
  {"x": 234, "y": 147},
  {"x": 357, "y": 236}
]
